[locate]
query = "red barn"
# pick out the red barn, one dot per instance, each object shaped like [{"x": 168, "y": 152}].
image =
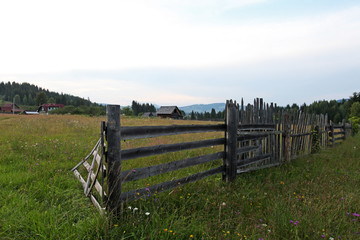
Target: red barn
[
  {"x": 50, "y": 106},
  {"x": 11, "y": 108}
]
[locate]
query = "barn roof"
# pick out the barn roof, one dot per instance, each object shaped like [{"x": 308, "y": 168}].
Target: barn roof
[
  {"x": 149, "y": 114},
  {"x": 167, "y": 109}
]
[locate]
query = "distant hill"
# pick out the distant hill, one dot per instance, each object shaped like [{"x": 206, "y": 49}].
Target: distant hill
[
  {"x": 200, "y": 108},
  {"x": 25, "y": 94}
]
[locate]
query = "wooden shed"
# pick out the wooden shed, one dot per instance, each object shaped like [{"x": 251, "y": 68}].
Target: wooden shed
[
  {"x": 149, "y": 114},
  {"x": 11, "y": 108},
  {"x": 169, "y": 112}
]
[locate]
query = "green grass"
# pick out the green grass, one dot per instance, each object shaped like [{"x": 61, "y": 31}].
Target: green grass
[{"x": 41, "y": 199}]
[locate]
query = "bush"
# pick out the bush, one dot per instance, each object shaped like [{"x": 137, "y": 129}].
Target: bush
[
  {"x": 355, "y": 122},
  {"x": 82, "y": 110}
]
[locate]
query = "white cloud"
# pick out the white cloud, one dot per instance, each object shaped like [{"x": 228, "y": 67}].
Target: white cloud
[{"x": 43, "y": 36}]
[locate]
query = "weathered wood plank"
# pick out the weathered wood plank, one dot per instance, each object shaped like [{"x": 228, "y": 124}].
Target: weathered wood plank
[
  {"x": 245, "y": 162},
  {"x": 161, "y": 149},
  {"x": 239, "y": 171},
  {"x": 251, "y": 136},
  {"x": 93, "y": 178},
  {"x": 339, "y": 133},
  {"x": 247, "y": 149},
  {"x": 156, "y": 131},
  {"x": 113, "y": 135},
  {"x": 137, "y": 194},
  {"x": 140, "y": 173},
  {"x": 92, "y": 198},
  {"x": 339, "y": 138},
  {"x": 300, "y": 134},
  {"x": 232, "y": 121}
]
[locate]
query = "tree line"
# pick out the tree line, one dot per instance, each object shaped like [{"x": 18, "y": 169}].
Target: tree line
[{"x": 30, "y": 97}]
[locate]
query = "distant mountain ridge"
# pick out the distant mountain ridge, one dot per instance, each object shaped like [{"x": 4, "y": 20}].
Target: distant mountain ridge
[{"x": 200, "y": 108}]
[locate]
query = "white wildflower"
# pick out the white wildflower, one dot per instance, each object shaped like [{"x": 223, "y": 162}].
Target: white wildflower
[
  {"x": 135, "y": 209},
  {"x": 129, "y": 207},
  {"x": 147, "y": 213}
]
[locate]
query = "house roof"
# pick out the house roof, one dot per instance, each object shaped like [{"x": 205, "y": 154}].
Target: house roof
[
  {"x": 167, "y": 109},
  {"x": 9, "y": 107},
  {"x": 52, "y": 105},
  {"x": 149, "y": 114}
]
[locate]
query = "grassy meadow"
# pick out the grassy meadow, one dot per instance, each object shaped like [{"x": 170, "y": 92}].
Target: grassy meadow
[{"x": 313, "y": 197}]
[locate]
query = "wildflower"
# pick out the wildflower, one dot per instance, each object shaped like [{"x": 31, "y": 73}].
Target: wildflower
[
  {"x": 264, "y": 225},
  {"x": 282, "y": 183},
  {"x": 115, "y": 225},
  {"x": 147, "y": 213},
  {"x": 331, "y": 238},
  {"x": 224, "y": 204},
  {"x": 147, "y": 189},
  {"x": 356, "y": 215},
  {"x": 134, "y": 171},
  {"x": 165, "y": 229},
  {"x": 129, "y": 207},
  {"x": 191, "y": 236},
  {"x": 135, "y": 209},
  {"x": 323, "y": 236}
]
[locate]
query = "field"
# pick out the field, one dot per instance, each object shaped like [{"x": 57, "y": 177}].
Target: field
[{"x": 314, "y": 197}]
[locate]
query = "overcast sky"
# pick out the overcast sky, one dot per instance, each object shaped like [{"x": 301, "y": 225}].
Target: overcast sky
[{"x": 182, "y": 52}]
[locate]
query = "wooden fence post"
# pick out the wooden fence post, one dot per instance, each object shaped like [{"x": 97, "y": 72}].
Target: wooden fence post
[
  {"x": 332, "y": 133},
  {"x": 287, "y": 136},
  {"x": 344, "y": 126},
  {"x": 113, "y": 158},
  {"x": 231, "y": 121}
]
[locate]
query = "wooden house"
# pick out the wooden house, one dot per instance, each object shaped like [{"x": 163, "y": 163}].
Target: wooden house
[
  {"x": 11, "y": 108},
  {"x": 149, "y": 114},
  {"x": 169, "y": 112},
  {"x": 48, "y": 107}
]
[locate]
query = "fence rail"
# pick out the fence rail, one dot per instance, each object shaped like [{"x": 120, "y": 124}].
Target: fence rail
[{"x": 255, "y": 136}]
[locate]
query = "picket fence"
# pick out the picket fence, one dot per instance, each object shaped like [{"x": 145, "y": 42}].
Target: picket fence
[{"x": 255, "y": 136}]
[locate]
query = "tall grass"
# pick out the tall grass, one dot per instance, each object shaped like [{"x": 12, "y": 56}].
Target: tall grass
[{"x": 314, "y": 197}]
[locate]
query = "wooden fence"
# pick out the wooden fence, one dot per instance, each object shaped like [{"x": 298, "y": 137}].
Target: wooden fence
[{"x": 255, "y": 136}]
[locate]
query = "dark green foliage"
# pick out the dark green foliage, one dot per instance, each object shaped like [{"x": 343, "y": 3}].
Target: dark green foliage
[
  {"x": 208, "y": 115},
  {"x": 28, "y": 92},
  {"x": 41, "y": 98},
  {"x": 139, "y": 109},
  {"x": 81, "y": 110},
  {"x": 315, "y": 146}
]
